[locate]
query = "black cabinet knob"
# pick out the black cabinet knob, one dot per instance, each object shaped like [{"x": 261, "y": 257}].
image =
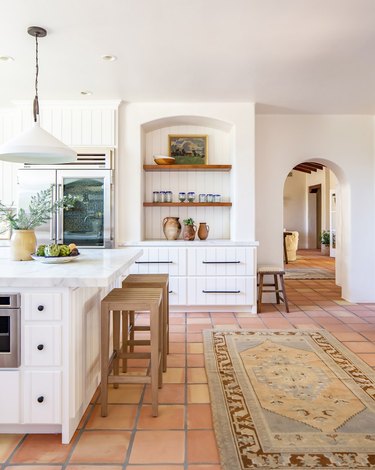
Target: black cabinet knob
[
  {"x": 40, "y": 347},
  {"x": 40, "y": 399},
  {"x": 40, "y": 308}
]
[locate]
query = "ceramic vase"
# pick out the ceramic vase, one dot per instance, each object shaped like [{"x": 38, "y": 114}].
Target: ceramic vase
[
  {"x": 203, "y": 230},
  {"x": 22, "y": 245},
  {"x": 189, "y": 232},
  {"x": 171, "y": 228}
]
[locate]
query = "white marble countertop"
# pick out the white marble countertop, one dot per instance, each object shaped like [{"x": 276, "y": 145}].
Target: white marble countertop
[
  {"x": 194, "y": 243},
  {"x": 93, "y": 268}
]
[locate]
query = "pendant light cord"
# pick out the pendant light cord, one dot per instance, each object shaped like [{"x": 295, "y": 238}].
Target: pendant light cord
[{"x": 36, "y": 101}]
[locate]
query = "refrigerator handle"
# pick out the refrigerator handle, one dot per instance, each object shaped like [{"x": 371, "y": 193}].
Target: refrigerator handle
[
  {"x": 52, "y": 226},
  {"x": 59, "y": 233}
]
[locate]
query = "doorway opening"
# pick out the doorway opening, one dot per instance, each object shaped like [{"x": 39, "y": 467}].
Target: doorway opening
[{"x": 310, "y": 216}]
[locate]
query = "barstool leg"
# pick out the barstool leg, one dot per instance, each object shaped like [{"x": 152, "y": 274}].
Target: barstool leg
[
  {"x": 275, "y": 280},
  {"x": 166, "y": 297},
  {"x": 284, "y": 292},
  {"x": 125, "y": 333},
  {"x": 163, "y": 330},
  {"x": 105, "y": 314},
  {"x": 131, "y": 326},
  {"x": 116, "y": 344},
  {"x": 155, "y": 359},
  {"x": 260, "y": 290}
]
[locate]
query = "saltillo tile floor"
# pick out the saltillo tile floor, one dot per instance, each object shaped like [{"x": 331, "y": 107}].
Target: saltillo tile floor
[{"x": 130, "y": 438}]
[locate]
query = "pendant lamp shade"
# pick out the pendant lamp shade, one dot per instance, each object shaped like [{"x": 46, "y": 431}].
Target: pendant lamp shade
[{"x": 36, "y": 145}]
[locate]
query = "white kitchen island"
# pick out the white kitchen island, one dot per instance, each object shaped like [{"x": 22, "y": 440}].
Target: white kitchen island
[{"x": 59, "y": 336}]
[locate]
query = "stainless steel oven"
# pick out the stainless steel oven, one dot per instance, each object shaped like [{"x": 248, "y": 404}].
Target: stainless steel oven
[{"x": 10, "y": 327}]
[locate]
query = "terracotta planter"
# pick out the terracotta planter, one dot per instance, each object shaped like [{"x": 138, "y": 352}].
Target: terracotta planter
[
  {"x": 22, "y": 244},
  {"x": 171, "y": 228},
  {"x": 189, "y": 232}
]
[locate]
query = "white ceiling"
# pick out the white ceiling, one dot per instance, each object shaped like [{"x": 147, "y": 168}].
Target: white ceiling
[{"x": 315, "y": 56}]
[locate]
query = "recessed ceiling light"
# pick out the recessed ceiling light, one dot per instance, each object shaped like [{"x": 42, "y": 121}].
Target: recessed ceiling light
[
  {"x": 6, "y": 58},
  {"x": 86, "y": 92},
  {"x": 109, "y": 58}
]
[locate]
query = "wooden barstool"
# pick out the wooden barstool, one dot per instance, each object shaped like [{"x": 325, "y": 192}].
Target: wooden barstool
[
  {"x": 278, "y": 274},
  {"x": 126, "y": 301},
  {"x": 151, "y": 281}
]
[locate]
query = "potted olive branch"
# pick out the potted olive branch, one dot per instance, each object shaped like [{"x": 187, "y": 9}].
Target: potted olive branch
[
  {"x": 23, "y": 222},
  {"x": 325, "y": 238}
]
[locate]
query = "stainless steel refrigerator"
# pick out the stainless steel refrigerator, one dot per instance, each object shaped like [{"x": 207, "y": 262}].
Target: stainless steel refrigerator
[{"x": 89, "y": 224}]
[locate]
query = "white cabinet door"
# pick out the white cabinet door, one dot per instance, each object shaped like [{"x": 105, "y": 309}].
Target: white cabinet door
[
  {"x": 221, "y": 290},
  {"x": 41, "y": 307},
  {"x": 223, "y": 261},
  {"x": 42, "y": 345},
  {"x": 42, "y": 397},
  {"x": 161, "y": 260},
  {"x": 9, "y": 397},
  {"x": 177, "y": 291}
]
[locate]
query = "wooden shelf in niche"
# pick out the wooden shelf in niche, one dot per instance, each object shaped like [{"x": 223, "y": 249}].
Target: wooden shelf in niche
[
  {"x": 187, "y": 204},
  {"x": 187, "y": 167}
]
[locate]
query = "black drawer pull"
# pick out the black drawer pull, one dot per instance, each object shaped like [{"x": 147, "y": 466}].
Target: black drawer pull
[
  {"x": 170, "y": 292},
  {"x": 40, "y": 308},
  {"x": 221, "y": 262},
  {"x": 221, "y": 291},
  {"x": 40, "y": 399},
  {"x": 40, "y": 347},
  {"x": 153, "y": 262}
]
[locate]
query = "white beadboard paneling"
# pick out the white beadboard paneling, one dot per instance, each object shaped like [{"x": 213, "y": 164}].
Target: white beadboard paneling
[
  {"x": 178, "y": 291},
  {"x": 222, "y": 259},
  {"x": 10, "y": 397},
  {"x": 221, "y": 285},
  {"x": 161, "y": 260}
]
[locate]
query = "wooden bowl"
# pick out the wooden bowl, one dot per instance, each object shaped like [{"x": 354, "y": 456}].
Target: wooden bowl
[{"x": 163, "y": 160}]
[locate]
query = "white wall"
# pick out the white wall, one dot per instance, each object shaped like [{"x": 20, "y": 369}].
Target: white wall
[
  {"x": 345, "y": 144},
  {"x": 295, "y": 206},
  {"x": 136, "y": 119}
]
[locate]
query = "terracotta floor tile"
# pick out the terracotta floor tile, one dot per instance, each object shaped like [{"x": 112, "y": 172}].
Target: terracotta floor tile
[
  {"x": 176, "y": 348},
  {"x": 8, "y": 442},
  {"x": 199, "y": 321},
  {"x": 176, "y": 337},
  {"x": 195, "y": 348},
  {"x": 34, "y": 467},
  {"x": 42, "y": 448},
  {"x": 195, "y": 360},
  {"x": 154, "y": 467},
  {"x": 196, "y": 375},
  {"x": 170, "y": 393},
  {"x": 169, "y": 417},
  {"x": 119, "y": 417},
  {"x": 176, "y": 360},
  {"x": 198, "y": 393},
  {"x": 125, "y": 393},
  {"x": 197, "y": 453},
  {"x": 369, "y": 358},
  {"x": 348, "y": 336},
  {"x": 90, "y": 467},
  {"x": 174, "y": 375},
  {"x": 101, "y": 447},
  {"x": 88, "y": 411},
  {"x": 360, "y": 346},
  {"x": 203, "y": 467},
  {"x": 199, "y": 416},
  {"x": 194, "y": 337},
  {"x": 177, "y": 328},
  {"x": 156, "y": 447}
]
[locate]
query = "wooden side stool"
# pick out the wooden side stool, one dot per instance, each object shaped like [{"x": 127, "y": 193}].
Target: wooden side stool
[
  {"x": 123, "y": 301},
  {"x": 278, "y": 274},
  {"x": 152, "y": 281}
]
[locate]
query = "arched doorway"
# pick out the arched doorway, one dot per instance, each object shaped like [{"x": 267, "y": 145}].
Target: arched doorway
[{"x": 310, "y": 202}]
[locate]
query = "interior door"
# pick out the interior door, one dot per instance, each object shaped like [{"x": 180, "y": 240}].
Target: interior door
[
  {"x": 87, "y": 224},
  {"x": 30, "y": 182}
]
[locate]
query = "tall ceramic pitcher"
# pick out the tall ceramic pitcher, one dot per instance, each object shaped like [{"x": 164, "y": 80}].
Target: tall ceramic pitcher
[
  {"x": 203, "y": 230},
  {"x": 171, "y": 228}
]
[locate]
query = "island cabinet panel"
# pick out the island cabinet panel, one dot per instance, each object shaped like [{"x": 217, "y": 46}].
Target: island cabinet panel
[
  {"x": 178, "y": 290},
  {"x": 10, "y": 397},
  {"x": 42, "y": 306},
  {"x": 42, "y": 345},
  {"x": 42, "y": 397}
]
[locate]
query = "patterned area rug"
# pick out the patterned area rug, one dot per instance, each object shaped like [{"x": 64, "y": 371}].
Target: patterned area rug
[
  {"x": 309, "y": 273},
  {"x": 289, "y": 399}
]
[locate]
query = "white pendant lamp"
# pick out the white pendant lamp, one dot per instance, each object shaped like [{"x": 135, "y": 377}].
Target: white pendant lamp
[{"x": 36, "y": 145}]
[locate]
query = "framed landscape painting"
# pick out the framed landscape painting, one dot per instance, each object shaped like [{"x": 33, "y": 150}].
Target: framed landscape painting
[{"x": 188, "y": 149}]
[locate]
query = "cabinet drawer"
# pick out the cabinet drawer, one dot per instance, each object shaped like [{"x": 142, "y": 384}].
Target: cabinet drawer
[
  {"x": 224, "y": 261},
  {"x": 221, "y": 290},
  {"x": 10, "y": 397},
  {"x": 40, "y": 306},
  {"x": 177, "y": 291},
  {"x": 42, "y": 397},
  {"x": 161, "y": 260},
  {"x": 42, "y": 345}
]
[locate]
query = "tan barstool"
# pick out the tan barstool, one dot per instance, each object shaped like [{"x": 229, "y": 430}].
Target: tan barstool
[
  {"x": 278, "y": 274},
  {"x": 151, "y": 281},
  {"x": 126, "y": 301}
]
